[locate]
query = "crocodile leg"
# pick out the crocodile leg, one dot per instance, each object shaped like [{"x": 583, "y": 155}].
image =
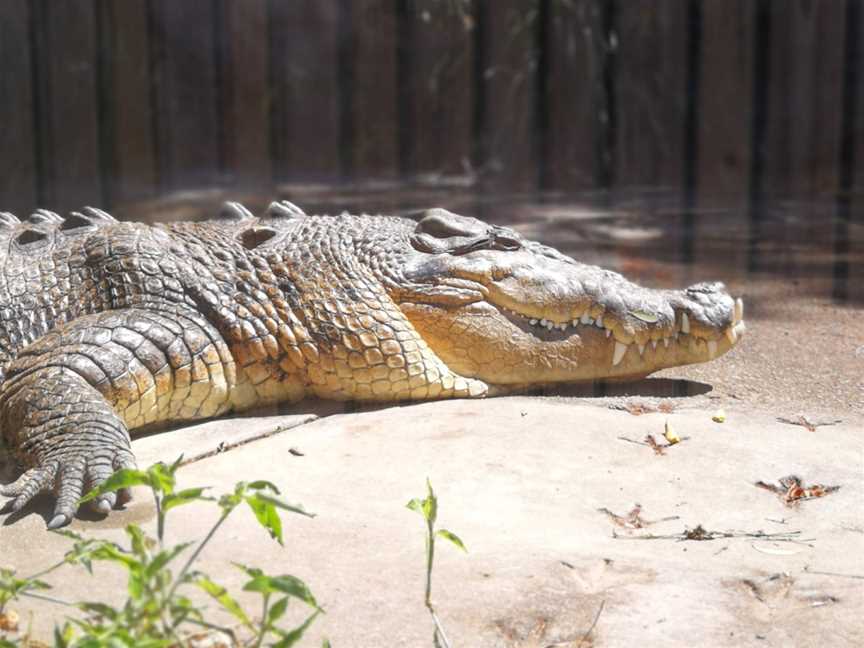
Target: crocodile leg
[{"x": 70, "y": 398}]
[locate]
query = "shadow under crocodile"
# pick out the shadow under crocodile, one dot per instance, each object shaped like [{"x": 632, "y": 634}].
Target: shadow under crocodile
[{"x": 43, "y": 504}]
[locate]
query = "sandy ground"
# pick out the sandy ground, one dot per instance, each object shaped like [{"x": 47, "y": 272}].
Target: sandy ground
[{"x": 524, "y": 481}]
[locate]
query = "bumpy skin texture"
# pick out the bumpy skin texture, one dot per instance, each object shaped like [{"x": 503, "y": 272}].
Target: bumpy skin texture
[{"x": 106, "y": 327}]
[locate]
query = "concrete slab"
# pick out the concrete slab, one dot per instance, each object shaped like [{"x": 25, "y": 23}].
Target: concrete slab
[{"x": 521, "y": 481}]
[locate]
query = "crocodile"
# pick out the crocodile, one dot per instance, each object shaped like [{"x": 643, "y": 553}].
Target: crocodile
[{"x": 108, "y": 326}]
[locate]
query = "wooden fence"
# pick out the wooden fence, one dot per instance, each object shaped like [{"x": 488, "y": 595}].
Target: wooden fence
[{"x": 718, "y": 101}]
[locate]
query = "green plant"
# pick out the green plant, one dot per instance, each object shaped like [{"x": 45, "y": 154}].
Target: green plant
[
  {"x": 428, "y": 508},
  {"x": 157, "y": 612}
]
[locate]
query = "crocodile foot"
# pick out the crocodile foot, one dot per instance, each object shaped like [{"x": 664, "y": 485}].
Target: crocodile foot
[{"x": 70, "y": 477}]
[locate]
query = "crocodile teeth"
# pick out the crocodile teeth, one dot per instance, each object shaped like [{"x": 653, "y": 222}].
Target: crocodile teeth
[
  {"x": 533, "y": 322},
  {"x": 608, "y": 332},
  {"x": 563, "y": 326},
  {"x": 712, "y": 348},
  {"x": 599, "y": 322},
  {"x": 666, "y": 342},
  {"x": 731, "y": 335},
  {"x": 685, "y": 323},
  {"x": 586, "y": 319},
  {"x": 641, "y": 348},
  {"x": 620, "y": 350},
  {"x": 575, "y": 322},
  {"x": 654, "y": 344},
  {"x": 739, "y": 310}
]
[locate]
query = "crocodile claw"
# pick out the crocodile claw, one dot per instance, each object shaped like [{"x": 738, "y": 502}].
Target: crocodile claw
[{"x": 58, "y": 521}]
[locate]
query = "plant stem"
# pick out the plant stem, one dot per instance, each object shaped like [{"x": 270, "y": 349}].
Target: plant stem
[
  {"x": 50, "y": 599},
  {"x": 430, "y": 558},
  {"x": 47, "y": 571},
  {"x": 195, "y": 555},
  {"x": 263, "y": 630},
  {"x": 160, "y": 518}
]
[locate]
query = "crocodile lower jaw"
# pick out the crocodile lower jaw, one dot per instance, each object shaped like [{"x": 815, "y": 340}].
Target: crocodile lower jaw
[{"x": 682, "y": 335}]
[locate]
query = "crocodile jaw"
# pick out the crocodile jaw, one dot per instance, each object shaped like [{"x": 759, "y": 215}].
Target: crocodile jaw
[
  {"x": 534, "y": 316},
  {"x": 501, "y": 346}
]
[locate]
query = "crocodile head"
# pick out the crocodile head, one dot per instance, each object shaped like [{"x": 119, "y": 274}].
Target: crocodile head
[{"x": 509, "y": 311}]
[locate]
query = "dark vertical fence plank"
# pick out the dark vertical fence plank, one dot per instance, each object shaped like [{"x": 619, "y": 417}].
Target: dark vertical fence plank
[
  {"x": 129, "y": 95},
  {"x": 508, "y": 76},
  {"x": 305, "y": 89},
  {"x": 575, "y": 99},
  {"x": 806, "y": 87},
  {"x": 189, "y": 130},
  {"x": 650, "y": 122},
  {"x": 724, "y": 132},
  {"x": 436, "y": 49},
  {"x": 802, "y": 131},
  {"x": 72, "y": 145},
  {"x": 373, "y": 101},
  {"x": 650, "y": 94},
  {"x": 852, "y": 158},
  {"x": 725, "y": 107},
  {"x": 246, "y": 80},
  {"x": 18, "y": 167}
]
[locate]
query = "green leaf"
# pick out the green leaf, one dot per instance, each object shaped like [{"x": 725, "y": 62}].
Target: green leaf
[
  {"x": 100, "y": 610},
  {"x": 221, "y": 595},
  {"x": 267, "y": 516},
  {"x": 174, "y": 466},
  {"x": 63, "y": 636},
  {"x": 229, "y": 502},
  {"x": 141, "y": 544},
  {"x": 326, "y": 643},
  {"x": 182, "y": 608},
  {"x": 427, "y": 507},
  {"x": 124, "y": 478},
  {"x": 290, "y": 585},
  {"x": 430, "y": 505},
  {"x": 263, "y": 484},
  {"x": 161, "y": 477},
  {"x": 278, "y": 502},
  {"x": 277, "y": 611},
  {"x": 452, "y": 537},
  {"x": 161, "y": 559},
  {"x": 110, "y": 552},
  {"x": 252, "y": 572},
  {"x": 186, "y": 496},
  {"x": 291, "y": 638}
]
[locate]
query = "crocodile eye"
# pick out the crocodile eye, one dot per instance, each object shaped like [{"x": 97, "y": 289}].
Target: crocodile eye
[{"x": 504, "y": 240}]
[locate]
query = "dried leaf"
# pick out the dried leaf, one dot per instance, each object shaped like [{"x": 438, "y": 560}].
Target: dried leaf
[{"x": 669, "y": 435}]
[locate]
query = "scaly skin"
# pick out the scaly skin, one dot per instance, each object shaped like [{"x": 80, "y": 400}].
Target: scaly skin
[{"x": 106, "y": 327}]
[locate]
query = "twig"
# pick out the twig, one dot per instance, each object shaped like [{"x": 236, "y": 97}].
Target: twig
[
  {"x": 803, "y": 421},
  {"x": 593, "y": 624},
  {"x": 824, "y": 573},
  {"x": 439, "y": 629},
  {"x": 701, "y": 534}
]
